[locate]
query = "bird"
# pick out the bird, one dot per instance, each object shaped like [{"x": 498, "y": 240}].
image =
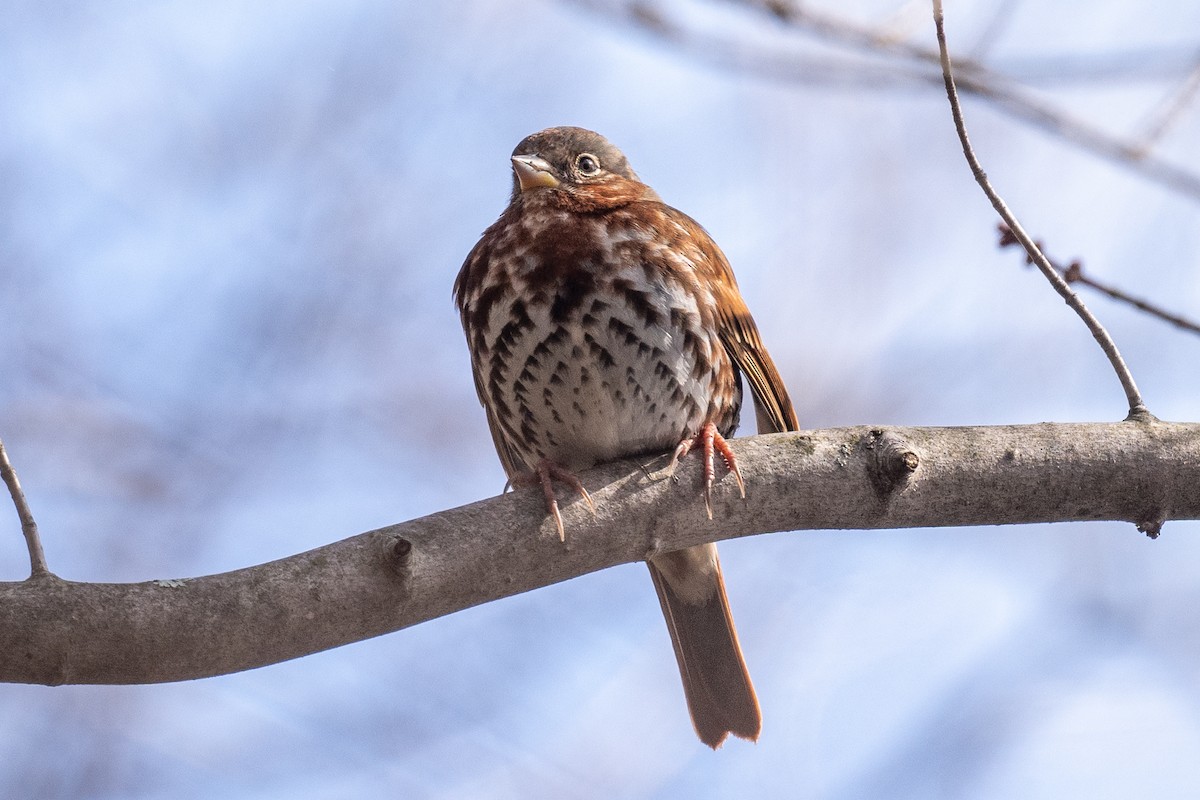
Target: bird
[{"x": 604, "y": 324}]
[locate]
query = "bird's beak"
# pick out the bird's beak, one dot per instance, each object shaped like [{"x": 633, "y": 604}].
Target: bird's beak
[{"x": 533, "y": 172}]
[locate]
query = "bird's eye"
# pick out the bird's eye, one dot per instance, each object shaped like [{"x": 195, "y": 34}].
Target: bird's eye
[{"x": 588, "y": 165}]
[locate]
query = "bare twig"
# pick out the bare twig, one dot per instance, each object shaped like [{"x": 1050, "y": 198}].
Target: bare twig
[
  {"x": 1137, "y": 408},
  {"x": 37, "y": 558},
  {"x": 1073, "y": 273}
]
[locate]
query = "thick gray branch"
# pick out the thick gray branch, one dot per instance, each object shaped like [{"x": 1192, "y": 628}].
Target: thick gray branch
[{"x": 55, "y": 632}]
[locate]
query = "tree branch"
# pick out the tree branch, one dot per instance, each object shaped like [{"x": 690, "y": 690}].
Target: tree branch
[{"x": 56, "y": 632}]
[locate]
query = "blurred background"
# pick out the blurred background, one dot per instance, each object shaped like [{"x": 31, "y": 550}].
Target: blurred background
[{"x": 228, "y": 233}]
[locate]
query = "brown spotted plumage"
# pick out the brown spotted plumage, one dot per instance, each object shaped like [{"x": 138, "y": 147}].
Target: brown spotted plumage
[{"x": 602, "y": 324}]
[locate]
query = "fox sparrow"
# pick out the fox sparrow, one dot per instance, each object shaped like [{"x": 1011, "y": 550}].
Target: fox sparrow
[{"x": 603, "y": 324}]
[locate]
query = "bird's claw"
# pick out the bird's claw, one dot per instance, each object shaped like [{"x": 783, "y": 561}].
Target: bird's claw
[
  {"x": 711, "y": 442},
  {"x": 545, "y": 474}
]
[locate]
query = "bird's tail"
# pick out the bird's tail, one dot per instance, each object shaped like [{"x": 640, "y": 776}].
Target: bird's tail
[{"x": 716, "y": 682}]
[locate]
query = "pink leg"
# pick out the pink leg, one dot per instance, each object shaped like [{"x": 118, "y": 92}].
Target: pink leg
[
  {"x": 711, "y": 442},
  {"x": 545, "y": 474}
]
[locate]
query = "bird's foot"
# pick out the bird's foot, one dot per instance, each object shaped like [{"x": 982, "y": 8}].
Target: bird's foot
[
  {"x": 544, "y": 475},
  {"x": 710, "y": 442}
]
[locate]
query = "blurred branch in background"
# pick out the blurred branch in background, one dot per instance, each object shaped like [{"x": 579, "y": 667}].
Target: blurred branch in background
[
  {"x": 1169, "y": 111},
  {"x": 881, "y": 56}
]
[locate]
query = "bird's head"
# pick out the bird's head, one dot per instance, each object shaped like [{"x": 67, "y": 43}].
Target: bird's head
[{"x": 575, "y": 168}]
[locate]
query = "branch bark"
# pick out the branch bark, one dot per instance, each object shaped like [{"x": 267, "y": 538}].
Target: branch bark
[{"x": 54, "y": 631}]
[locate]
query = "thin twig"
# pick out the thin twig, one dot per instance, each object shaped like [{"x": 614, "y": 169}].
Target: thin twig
[
  {"x": 37, "y": 558},
  {"x": 1073, "y": 273},
  {"x": 1137, "y": 408}
]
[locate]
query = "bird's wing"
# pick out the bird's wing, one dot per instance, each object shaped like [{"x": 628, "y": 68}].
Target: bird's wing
[
  {"x": 462, "y": 298},
  {"x": 508, "y": 459},
  {"x": 772, "y": 405}
]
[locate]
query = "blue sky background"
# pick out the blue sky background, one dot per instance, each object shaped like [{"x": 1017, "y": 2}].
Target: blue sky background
[{"x": 227, "y": 239}]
